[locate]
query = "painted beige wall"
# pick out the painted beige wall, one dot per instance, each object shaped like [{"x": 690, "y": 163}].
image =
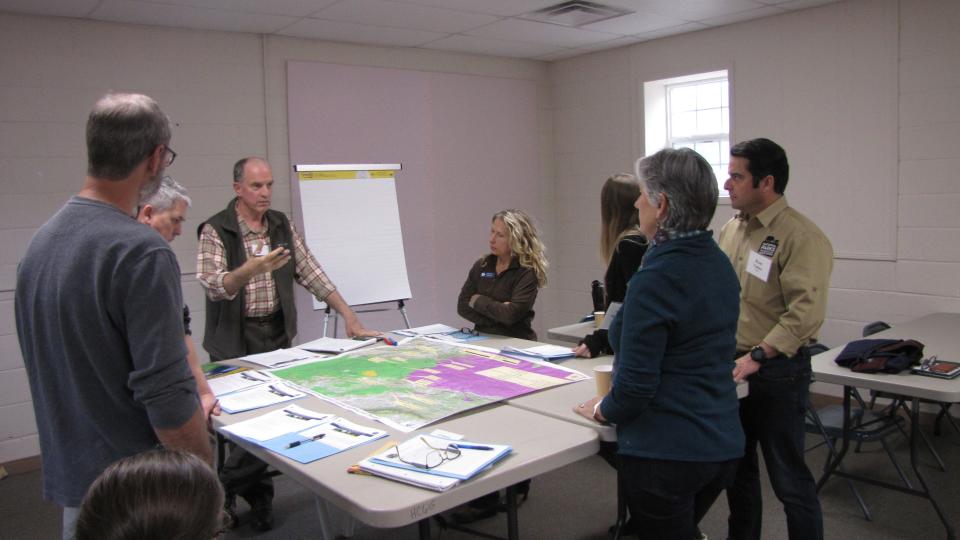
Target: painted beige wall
[
  {"x": 226, "y": 94},
  {"x": 862, "y": 94}
]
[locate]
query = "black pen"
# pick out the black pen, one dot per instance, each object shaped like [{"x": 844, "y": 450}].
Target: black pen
[{"x": 295, "y": 444}]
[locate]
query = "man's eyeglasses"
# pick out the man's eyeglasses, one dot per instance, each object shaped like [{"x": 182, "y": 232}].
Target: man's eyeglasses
[
  {"x": 169, "y": 156},
  {"x": 434, "y": 457}
]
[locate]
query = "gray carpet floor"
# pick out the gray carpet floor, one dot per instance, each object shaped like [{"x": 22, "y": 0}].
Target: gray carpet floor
[{"x": 578, "y": 502}]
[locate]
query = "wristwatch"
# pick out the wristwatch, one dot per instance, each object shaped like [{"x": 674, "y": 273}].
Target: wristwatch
[{"x": 758, "y": 355}]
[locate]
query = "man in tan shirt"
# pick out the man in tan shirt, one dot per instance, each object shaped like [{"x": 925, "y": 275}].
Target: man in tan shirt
[{"x": 783, "y": 261}]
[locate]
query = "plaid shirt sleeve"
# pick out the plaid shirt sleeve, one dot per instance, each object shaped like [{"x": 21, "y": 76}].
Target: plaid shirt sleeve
[
  {"x": 308, "y": 270},
  {"x": 212, "y": 265}
]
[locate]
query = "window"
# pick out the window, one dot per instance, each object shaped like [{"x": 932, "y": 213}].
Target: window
[{"x": 691, "y": 112}]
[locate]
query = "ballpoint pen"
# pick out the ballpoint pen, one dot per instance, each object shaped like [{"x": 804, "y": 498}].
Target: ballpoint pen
[
  {"x": 472, "y": 446},
  {"x": 317, "y": 437}
]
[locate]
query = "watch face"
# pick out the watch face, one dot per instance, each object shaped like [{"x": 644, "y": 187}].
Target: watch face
[{"x": 757, "y": 354}]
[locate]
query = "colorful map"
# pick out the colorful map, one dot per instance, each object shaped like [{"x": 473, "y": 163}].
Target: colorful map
[{"x": 422, "y": 381}]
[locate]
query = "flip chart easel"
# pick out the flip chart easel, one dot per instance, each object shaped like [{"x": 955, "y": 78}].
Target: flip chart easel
[{"x": 351, "y": 222}]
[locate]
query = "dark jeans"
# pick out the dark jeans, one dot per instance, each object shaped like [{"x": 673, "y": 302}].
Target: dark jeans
[
  {"x": 242, "y": 472},
  {"x": 773, "y": 416},
  {"x": 668, "y": 498}
]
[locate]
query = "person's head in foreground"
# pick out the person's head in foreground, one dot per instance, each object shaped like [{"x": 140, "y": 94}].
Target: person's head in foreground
[{"x": 158, "y": 494}]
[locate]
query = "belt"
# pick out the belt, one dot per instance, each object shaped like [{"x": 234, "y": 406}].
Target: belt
[{"x": 266, "y": 318}]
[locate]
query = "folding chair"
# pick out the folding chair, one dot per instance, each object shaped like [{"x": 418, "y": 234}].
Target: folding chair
[
  {"x": 867, "y": 427},
  {"x": 899, "y": 402}
]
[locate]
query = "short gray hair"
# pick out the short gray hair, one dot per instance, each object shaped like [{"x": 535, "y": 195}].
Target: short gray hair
[
  {"x": 240, "y": 167},
  {"x": 688, "y": 182},
  {"x": 122, "y": 130},
  {"x": 169, "y": 192}
]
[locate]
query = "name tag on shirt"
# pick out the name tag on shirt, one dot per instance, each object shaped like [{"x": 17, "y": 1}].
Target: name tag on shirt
[
  {"x": 759, "y": 266},
  {"x": 488, "y": 274}
]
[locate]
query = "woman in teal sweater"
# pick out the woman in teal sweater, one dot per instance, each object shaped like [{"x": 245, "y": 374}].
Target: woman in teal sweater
[{"x": 673, "y": 397}]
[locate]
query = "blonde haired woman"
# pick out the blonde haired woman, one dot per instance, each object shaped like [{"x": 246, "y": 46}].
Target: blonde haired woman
[
  {"x": 622, "y": 246},
  {"x": 501, "y": 288}
]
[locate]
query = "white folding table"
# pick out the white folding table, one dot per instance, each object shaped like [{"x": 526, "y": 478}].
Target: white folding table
[{"x": 940, "y": 334}]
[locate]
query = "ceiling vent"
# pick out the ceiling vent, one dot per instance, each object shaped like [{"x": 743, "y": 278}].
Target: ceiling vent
[{"x": 575, "y": 13}]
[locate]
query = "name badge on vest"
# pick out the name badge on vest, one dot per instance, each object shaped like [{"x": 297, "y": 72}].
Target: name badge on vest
[{"x": 488, "y": 275}]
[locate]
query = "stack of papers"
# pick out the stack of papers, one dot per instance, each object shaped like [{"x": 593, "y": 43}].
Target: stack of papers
[
  {"x": 434, "y": 462},
  {"x": 334, "y": 345},
  {"x": 264, "y": 394},
  {"x": 279, "y": 357},
  {"x": 304, "y": 435},
  {"x": 544, "y": 352},
  {"x": 429, "y": 330},
  {"x": 414, "y": 478},
  {"x": 236, "y": 382}
]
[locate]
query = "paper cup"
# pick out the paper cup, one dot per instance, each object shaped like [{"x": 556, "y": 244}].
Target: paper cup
[
  {"x": 603, "y": 375},
  {"x": 597, "y": 318}
]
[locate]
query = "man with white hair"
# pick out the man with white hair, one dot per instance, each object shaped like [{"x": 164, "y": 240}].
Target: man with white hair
[{"x": 165, "y": 211}]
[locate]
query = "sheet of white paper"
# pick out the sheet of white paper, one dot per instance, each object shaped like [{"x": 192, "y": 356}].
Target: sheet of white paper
[
  {"x": 279, "y": 357},
  {"x": 335, "y": 345},
  {"x": 346, "y": 435},
  {"x": 427, "y": 330},
  {"x": 259, "y": 396},
  {"x": 237, "y": 381},
  {"x": 276, "y": 423}
]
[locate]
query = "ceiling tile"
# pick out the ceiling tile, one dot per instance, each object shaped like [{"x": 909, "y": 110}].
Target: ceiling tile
[
  {"x": 395, "y": 15},
  {"x": 292, "y": 8},
  {"x": 494, "y": 47},
  {"x": 612, "y": 44},
  {"x": 664, "y": 32},
  {"x": 635, "y": 23},
  {"x": 359, "y": 33},
  {"x": 560, "y": 54},
  {"x": 503, "y": 8},
  {"x": 804, "y": 4},
  {"x": 56, "y": 8},
  {"x": 743, "y": 16},
  {"x": 534, "y": 32},
  {"x": 689, "y": 10},
  {"x": 129, "y": 11}
]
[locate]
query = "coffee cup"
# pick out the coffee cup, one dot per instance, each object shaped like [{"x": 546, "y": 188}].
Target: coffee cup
[
  {"x": 603, "y": 375},
  {"x": 598, "y": 318}
]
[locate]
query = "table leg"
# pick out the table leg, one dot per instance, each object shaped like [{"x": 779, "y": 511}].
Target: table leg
[
  {"x": 915, "y": 463},
  {"x": 513, "y": 527},
  {"x": 424, "y": 527},
  {"x": 221, "y": 451},
  {"x": 845, "y": 445}
]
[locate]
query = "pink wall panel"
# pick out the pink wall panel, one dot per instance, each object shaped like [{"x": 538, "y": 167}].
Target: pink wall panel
[{"x": 469, "y": 147}]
